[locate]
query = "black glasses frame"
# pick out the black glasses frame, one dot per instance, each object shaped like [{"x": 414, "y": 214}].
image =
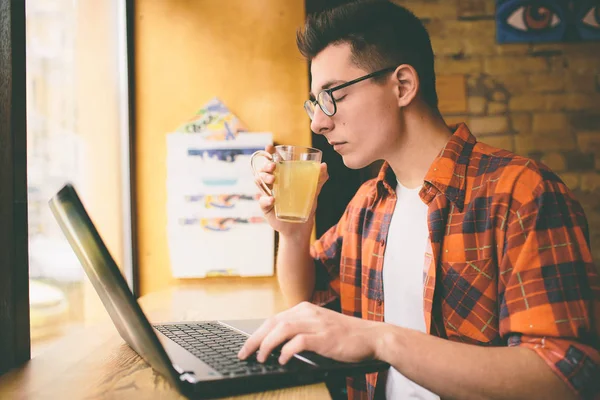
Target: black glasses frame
[{"x": 342, "y": 86}]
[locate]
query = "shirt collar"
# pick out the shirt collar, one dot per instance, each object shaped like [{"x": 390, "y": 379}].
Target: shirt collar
[{"x": 447, "y": 173}]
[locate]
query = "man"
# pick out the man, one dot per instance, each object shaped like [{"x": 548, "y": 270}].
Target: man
[{"x": 465, "y": 267}]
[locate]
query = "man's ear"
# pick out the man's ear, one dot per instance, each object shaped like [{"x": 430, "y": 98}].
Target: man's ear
[{"x": 407, "y": 84}]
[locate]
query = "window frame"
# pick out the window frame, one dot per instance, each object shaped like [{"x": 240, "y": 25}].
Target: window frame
[
  {"x": 15, "y": 335},
  {"x": 14, "y": 274}
]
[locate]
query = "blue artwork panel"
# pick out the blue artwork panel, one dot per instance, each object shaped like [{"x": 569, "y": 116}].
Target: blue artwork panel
[{"x": 535, "y": 21}]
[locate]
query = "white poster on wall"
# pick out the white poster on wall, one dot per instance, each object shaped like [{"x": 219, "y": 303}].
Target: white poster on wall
[{"x": 215, "y": 225}]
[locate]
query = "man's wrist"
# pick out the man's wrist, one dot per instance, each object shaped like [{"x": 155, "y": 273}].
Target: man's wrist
[
  {"x": 301, "y": 235},
  {"x": 387, "y": 341}
]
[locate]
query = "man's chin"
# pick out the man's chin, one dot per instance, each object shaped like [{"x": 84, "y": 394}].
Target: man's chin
[{"x": 354, "y": 163}]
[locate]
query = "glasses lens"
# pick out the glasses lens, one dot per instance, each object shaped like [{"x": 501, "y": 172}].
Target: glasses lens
[
  {"x": 326, "y": 102},
  {"x": 309, "y": 106}
]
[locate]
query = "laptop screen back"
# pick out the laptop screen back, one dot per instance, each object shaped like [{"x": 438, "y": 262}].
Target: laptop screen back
[{"x": 101, "y": 269}]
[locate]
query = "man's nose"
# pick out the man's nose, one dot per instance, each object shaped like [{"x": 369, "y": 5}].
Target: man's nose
[{"x": 321, "y": 123}]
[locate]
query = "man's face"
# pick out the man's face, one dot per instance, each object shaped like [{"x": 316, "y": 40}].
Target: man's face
[{"x": 368, "y": 120}]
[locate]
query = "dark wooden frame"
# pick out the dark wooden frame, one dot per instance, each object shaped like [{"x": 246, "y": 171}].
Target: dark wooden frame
[
  {"x": 14, "y": 272},
  {"x": 15, "y": 336},
  {"x": 130, "y": 15}
]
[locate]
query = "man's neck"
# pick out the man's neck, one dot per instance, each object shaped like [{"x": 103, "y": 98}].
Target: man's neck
[{"x": 425, "y": 135}]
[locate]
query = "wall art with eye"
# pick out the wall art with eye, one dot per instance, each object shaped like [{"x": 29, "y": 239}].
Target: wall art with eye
[{"x": 535, "y": 21}]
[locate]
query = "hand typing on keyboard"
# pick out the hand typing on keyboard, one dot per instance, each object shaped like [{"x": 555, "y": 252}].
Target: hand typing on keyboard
[
  {"x": 218, "y": 346},
  {"x": 307, "y": 327}
]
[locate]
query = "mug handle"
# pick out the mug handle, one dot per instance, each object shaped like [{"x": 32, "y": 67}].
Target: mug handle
[{"x": 263, "y": 186}]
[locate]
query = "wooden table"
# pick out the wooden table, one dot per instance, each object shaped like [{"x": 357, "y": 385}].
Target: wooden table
[{"x": 97, "y": 364}]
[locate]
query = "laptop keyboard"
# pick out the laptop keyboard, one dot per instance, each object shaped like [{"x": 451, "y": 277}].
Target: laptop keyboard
[{"x": 218, "y": 347}]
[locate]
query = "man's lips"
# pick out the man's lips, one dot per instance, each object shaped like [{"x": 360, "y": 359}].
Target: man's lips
[{"x": 337, "y": 145}]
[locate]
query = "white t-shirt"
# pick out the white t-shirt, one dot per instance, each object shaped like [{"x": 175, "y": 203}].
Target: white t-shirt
[{"x": 403, "y": 269}]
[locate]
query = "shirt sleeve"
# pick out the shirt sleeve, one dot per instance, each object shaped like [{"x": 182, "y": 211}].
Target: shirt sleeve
[
  {"x": 549, "y": 291},
  {"x": 326, "y": 253}
]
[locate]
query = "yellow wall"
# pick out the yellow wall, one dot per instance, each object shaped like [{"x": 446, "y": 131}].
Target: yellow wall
[{"x": 188, "y": 51}]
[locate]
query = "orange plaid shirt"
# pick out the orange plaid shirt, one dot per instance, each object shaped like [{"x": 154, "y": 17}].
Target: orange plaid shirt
[{"x": 508, "y": 260}]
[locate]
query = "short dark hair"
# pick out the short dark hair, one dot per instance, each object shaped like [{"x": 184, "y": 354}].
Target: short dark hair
[{"x": 381, "y": 34}]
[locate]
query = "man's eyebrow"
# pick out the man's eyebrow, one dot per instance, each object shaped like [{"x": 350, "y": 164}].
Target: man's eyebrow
[{"x": 327, "y": 85}]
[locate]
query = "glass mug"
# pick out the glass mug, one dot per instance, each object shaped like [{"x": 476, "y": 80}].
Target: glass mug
[{"x": 297, "y": 171}]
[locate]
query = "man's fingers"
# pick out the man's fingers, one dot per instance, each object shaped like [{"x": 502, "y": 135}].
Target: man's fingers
[
  {"x": 283, "y": 331},
  {"x": 266, "y": 203},
  {"x": 268, "y": 167},
  {"x": 254, "y": 341},
  {"x": 267, "y": 178},
  {"x": 260, "y": 186},
  {"x": 323, "y": 175},
  {"x": 301, "y": 319},
  {"x": 302, "y": 342}
]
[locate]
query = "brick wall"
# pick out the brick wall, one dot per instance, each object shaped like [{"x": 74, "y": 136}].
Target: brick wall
[{"x": 538, "y": 100}]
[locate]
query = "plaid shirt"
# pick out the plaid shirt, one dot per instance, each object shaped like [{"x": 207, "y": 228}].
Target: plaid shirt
[{"x": 508, "y": 256}]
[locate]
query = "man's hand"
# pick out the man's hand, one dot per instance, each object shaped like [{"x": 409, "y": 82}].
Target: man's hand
[
  {"x": 267, "y": 202},
  {"x": 313, "y": 328}
]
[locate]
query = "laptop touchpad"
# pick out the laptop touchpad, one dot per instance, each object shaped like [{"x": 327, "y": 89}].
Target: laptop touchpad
[{"x": 248, "y": 326}]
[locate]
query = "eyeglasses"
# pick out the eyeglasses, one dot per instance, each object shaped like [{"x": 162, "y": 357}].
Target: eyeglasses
[{"x": 325, "y": 98}]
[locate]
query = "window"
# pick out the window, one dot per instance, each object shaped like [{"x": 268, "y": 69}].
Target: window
[{"x": 78, "y": 132}]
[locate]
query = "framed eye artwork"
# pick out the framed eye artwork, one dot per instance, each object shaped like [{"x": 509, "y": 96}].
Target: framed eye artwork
[{"x": 539, "y": 21}]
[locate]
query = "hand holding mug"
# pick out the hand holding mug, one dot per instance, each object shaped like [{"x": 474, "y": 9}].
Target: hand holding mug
[{"x": 290, "y": 182}]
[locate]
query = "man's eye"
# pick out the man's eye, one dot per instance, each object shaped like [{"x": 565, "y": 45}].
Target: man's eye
[
  {"x": 340, "y": 98},
  {"x": 533, "y": 18}
]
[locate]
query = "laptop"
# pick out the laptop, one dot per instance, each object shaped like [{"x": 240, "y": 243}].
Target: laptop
[{"x": 198, "y": 358}]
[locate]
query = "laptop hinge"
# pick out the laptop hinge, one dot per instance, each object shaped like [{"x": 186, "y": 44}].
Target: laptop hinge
[
  {"x": 185, "y": 376},
  {"x": 189, "y": 377}
]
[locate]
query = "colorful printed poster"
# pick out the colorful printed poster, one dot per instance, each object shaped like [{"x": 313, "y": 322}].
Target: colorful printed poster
[{"x": 214, "y": 223}]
